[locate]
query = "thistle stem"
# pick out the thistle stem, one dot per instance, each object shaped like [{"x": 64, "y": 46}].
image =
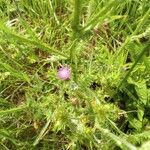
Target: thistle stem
[{"x": 75, "y": 37}]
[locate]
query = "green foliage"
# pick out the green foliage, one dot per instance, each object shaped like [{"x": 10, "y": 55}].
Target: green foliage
[{"x": 106, "y": 102}]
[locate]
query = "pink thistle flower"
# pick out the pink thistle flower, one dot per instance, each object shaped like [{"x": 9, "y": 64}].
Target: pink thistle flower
[{"x": 64, "y": 73}]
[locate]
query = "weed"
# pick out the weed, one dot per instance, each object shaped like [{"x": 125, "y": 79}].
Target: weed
[{"x": 101, "y": 101}]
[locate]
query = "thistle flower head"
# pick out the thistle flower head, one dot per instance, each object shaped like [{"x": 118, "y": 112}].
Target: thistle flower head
[{"x": 64, "y": 73}]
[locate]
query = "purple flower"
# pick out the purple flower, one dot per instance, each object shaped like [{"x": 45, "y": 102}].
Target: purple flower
[{"x": 64, "y": 73}]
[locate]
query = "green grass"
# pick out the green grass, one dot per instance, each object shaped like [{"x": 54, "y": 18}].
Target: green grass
[{"x": 106, "y": 103}]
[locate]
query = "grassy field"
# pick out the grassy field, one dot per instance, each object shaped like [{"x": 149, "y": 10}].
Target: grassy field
[{"x": 104, "y": 104}]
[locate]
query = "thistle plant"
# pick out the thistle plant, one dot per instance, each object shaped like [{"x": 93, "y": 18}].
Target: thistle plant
[{"x": 98, "y": 99}]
